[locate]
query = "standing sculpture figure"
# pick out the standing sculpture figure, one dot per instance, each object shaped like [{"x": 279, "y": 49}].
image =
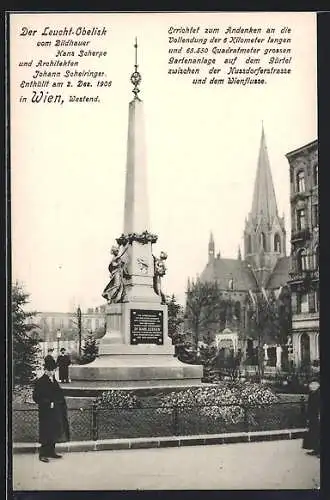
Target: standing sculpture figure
[
  {"x": 159, "y": 272},
  {"x": 115, "y": 289}
]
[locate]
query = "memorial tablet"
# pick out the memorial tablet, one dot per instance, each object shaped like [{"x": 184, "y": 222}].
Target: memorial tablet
[{"x": 147, "y": 327}]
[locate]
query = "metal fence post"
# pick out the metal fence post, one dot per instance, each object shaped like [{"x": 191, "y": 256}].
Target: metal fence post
[
  {"x": 303, "y": 410},
  {"x": 175, "y": 421},
  {"x": 246, "y": 419},
  {"x": 94, "y": 422}
]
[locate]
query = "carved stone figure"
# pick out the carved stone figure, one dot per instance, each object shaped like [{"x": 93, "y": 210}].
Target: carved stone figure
[
  {"x": 159, "y": 272},
  {"x": 115, "y": 289}
]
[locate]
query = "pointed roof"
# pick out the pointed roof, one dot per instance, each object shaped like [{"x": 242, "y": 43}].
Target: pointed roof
[
  {"x": 224, "y": 270},
  {"x": 211, "y": 243},
  {"x": 280, "y": 275},
  {"x": 264, "y": 199}
]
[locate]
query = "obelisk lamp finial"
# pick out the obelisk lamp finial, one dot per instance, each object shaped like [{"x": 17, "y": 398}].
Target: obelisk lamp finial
[{"x": 136, "y": 76}]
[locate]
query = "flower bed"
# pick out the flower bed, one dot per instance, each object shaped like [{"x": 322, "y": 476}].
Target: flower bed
[
  {"x": 224, "y": 402},
  {"x": 226, "y": 407},
  {"x": 208, "y": 407}
]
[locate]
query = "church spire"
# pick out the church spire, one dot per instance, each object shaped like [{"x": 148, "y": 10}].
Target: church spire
[
  {"x": 264, "y": 199},
  {"x": 239, "y": 255},
  {"x": 211, "y": 247},
  {"x": 264, "y": 233}
]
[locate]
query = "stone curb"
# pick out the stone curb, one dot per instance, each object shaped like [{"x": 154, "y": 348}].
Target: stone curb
[{"x": 163, "y": 442}]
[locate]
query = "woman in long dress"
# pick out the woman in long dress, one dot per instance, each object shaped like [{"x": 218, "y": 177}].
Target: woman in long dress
[{"x": 115, "y": 289}]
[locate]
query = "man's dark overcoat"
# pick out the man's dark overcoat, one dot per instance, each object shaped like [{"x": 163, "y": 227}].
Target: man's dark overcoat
[
  {"x": 63, "y": 362},
  {"x": 53, "y": 422},
  {"x": 312, "y": 438}
]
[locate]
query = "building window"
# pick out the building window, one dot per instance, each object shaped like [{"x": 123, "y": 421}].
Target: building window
[
  {"x": 300, "y": 181},
  {"x": 89, "y": 323},
  {"x": 305, "y": 348},
  {"x": 316, "y": 257},
  {"x": 97, "y": 323},
  {"x": 263, "y": 241},
  {"x": 302, "y": 303},
  {"x": 238, "y": 310},
  {"x": 312, "y": 302},
  {"x": 277, "y": 243},
  {"x": 315, "y": 215},
  {"x": 301, "y": 219},
  {"x": 302, "y": 260},
  {"x": 249, "y": 244},
  {"x": 316, "y": 175}
]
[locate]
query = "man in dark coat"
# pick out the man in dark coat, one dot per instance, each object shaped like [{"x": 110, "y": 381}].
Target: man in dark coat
[
  {"x": 63, "y": 362},
  {"x": 53, "y": 421},
  {"x": 50, "y": 355},
  {"x": 312, "y": 438}
]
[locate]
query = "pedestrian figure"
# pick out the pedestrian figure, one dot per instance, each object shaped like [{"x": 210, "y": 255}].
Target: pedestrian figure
[
  {"x": 237, "y": 364},
  {"x": 50, "y": 355},
  {"x": 63, "y": 362},
  {"x": 53, "y": 421},
  {"x": 311, "y": 440}
]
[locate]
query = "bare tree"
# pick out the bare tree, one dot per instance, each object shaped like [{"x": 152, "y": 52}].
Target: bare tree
[{"x": 202, "y": 308}]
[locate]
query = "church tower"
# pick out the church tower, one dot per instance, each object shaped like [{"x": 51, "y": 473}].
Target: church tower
[
  {"x": 211, "y": 248},
  {"x": 264, "y": 234}
]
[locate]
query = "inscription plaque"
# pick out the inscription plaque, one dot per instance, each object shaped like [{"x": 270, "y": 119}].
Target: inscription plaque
[{"x": 147, "y": 327}]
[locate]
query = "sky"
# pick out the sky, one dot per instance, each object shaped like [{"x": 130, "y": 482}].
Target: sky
[{"x": 68, "y": 162}]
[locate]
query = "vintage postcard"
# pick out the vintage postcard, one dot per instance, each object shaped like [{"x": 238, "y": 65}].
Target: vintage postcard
[{"x": 165, "y": 229}]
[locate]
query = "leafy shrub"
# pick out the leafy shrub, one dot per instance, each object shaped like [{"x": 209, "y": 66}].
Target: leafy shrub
[{"x": 89, "y": 350}]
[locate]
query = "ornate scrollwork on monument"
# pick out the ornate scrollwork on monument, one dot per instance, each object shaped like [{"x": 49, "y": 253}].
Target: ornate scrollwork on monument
[
  {"x": 115, "y": 290},
  {"x": 159, "y": 272}
]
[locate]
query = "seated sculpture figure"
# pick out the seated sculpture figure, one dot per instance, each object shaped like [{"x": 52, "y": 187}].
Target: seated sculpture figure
[{"x": 115, "y": 289}]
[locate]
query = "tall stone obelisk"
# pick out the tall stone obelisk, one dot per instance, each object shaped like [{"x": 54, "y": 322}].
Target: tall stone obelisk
[{"x": 136, "y": 350}]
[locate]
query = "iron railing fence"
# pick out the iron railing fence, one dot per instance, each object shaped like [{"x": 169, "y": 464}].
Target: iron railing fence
[{"x": 96, "y": 423}]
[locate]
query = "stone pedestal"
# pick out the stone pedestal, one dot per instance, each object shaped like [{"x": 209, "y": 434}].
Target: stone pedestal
[
  {"x": 122, "y": 324},
  {"x": 126, "y": 361},
  {"x": 139, "y": 371}
]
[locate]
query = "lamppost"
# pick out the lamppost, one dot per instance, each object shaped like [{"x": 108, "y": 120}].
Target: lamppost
[
  {"x": 58, "y": 336},
  {"x": 79, "y": 328},
  {"x": 260, "y": 348}
]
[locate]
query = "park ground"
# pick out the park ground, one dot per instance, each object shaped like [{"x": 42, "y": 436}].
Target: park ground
[{"x": 264, "y": 465}]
